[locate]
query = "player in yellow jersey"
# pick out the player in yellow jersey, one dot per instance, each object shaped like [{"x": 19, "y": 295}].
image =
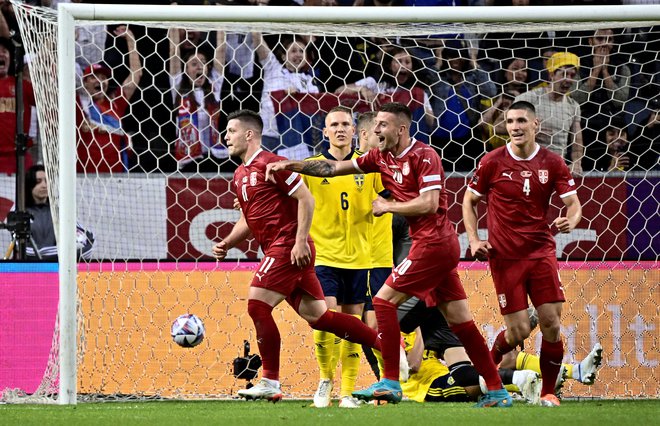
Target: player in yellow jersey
[{"x": 342, "y": 230}]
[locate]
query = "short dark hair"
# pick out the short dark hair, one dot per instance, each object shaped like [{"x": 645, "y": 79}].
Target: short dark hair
[
  {"x": 524, "y": 105},
  {"x": 397, "y": 108},
  {"x": 365, "y": 119},
  {"x": 249, "y": 117},
  {"x": 31, "y": 182}
]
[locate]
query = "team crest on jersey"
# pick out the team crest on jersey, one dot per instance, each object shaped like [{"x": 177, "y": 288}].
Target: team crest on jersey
[
  {"x": 359, "y": 181},
  {"x": 543, "y": 176},
  {"x": 253, "y": 178},
  {"x": 526, "y": 173},
  {"x": 502, "y": 299},
  {"x": 406, "y": 169}
]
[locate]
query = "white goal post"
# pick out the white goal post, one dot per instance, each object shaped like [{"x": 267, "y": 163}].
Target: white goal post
[{"x": 307, "y": 20}]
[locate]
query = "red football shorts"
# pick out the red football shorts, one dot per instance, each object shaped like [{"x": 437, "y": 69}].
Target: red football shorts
[
  {"x": 429, "y": 272},
  {"x": 276, "y": 273},
  {"x": 516, "y": 278}
]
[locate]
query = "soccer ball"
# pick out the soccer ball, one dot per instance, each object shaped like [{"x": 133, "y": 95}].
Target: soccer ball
[{"x": 188, "y": 330}]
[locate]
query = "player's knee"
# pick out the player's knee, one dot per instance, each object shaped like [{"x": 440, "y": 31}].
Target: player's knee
[
  {"x": 257, "y": 309},
  {"x": 517, "y": 333},
  {"x": 464, "y": 374}
]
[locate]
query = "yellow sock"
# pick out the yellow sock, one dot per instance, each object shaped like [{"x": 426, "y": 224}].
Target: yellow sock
[
  {"x": 324, "y": 348},
  {"x": 379, "y": 358},
  {"x": 512, "y": 388},
  {"x": 532, "y": 362},
  {"x": 525, "y": 361},
  {"x": 350, "y": 364}
]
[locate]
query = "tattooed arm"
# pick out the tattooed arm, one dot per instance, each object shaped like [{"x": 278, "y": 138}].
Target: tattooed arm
[{"x": 322, "y": 168}]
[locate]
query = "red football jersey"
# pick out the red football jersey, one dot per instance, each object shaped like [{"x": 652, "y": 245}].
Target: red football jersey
[
  {"x": 519, "y": 193},
  {"x": 270, "y": 211},
  {"x": 414, "y": 171}
]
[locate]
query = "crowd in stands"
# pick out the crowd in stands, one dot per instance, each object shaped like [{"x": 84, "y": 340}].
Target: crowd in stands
[{"x": 157, "y": 100}]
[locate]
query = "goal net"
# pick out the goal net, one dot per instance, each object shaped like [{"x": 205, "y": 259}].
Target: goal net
[{"x": 131, "y": 124}]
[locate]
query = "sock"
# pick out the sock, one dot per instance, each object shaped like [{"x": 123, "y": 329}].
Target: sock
[
  {"x": 477, "y": 351},
  {"x": 347, "y": 327},
  {"x": 550, "y": 361},
  {"x": 526, "y": 361},
  {"x": 274, "y": 383},
  {"x": 390, "y": 335},
  {"x": 350, "y": 364},
  {"x": 268, "y": 337},
  {"x": 381, "y": 363},
  {"x": 500, "y": 347},
  {"x": 324, "y": 347}
]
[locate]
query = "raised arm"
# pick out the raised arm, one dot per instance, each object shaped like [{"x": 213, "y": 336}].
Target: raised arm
[
  {"x": 133, "y": 79},
  {"x": 567, "y": 223},
  {"x": 260, "y": 46},
  {"x": 478, "y": 247},
  {"x": 322, "y": 168},
  {"x": 175, "y": 61},
  {"x": 577, "y": 150},
  {"x": 301, "y": 254},
  {"x": 220, "y": 52},
  {"x": 426, "y": 203}
]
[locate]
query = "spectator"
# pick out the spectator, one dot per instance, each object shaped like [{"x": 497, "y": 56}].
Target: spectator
[
  {"x": 8, "y": 104},
  {"x": 558, "y": 113},
  {"x": 514, "y": 75},
  {"x": 42, "y": 231},
  {"x": 400, "y": 71},
  {"x": 196, "y": 94},
  {"x": 614, "y": 141},
  {"x": 645, "y": 148},
  {"x": 456, "y": 100},
  {"x": 103, "y": 145},
  {"x": 602, "y": 92},
  {"x": 288, "y": 72},
  {"x": 493, "y": 122}
]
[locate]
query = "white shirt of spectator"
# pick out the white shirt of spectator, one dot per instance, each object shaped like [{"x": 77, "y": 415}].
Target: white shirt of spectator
[
  {"x": 278, "y": 77},
  {"x": 385, "y": 88}
]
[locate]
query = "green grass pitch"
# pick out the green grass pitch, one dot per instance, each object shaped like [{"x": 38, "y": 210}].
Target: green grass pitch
[{"x": 292, "y": 413}]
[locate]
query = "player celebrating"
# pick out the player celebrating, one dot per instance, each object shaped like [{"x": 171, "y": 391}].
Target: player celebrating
[
  {"x": 519, "y": 179},
  {"x": 413, "y": 174},
  {"x": 342, "y": 262},
  {"x": 278, "y": 213}
]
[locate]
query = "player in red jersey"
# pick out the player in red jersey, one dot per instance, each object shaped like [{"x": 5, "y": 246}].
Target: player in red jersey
[
  {"x": 278, "y": 213},
  {"x": 519, "y": 179},
  {"x": 412, "y": 172}
]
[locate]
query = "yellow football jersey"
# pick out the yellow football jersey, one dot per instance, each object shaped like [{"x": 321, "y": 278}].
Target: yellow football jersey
[
  {"x": 343, "y": 224},
  {"x": 418, "y": 384},
  {"x": 382, "y": 252}
]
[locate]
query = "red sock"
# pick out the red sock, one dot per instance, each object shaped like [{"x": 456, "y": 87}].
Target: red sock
[
  {"x": 268, "y": 337},
  {"x": 390, "y": 337},
  {"x": 476, "y": 349},
  {"x": 347, "y": 327},
  {"x": 500, "y": 347},
  {"x": 552, "y": 355}
]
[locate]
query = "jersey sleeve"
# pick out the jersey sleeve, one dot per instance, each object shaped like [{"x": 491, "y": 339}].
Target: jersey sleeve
[
  {"x": 479, "y": 182},
  {"x": 287, "y": 181},
  {"x": 564, "y": 183},
  {"x": 367, "y": 162},
  {"x": 430, "y": 175}
]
